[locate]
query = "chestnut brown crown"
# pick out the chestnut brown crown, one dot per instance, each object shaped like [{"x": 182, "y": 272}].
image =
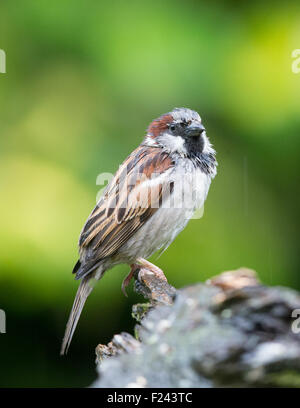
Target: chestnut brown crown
[{"x": 179, "y": 122}]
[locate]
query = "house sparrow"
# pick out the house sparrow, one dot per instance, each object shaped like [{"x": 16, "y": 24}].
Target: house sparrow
[{"x": 148, "y": 202}]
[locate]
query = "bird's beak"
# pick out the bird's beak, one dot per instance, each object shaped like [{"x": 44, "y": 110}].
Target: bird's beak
[{"x": 195, "y": 129}]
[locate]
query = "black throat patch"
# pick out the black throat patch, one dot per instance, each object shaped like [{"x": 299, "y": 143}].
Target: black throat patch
[{"x": 206, "y": 162}]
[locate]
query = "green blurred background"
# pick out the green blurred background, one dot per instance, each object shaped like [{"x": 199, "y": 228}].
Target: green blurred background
[{"x": 84, "y": 79}]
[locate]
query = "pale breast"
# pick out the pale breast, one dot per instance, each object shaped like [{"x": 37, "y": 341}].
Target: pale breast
[{"x": 190, "y": 188}]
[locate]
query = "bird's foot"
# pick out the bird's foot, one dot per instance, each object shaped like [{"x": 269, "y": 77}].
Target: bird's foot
[
  {"x": 151, "y": 283},
  {"x": 152, "y": 268}
]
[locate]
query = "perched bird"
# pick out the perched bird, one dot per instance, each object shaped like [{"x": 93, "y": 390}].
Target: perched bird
[{"x": 148, "y": 202}]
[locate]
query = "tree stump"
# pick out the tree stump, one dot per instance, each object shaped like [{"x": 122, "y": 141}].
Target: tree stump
[{"x": 231, "y": 331}]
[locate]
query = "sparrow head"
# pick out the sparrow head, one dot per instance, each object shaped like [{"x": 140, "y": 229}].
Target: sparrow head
[{"x": 179, "y": 132}]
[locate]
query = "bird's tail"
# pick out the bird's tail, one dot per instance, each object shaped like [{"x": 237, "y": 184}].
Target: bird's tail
[{"x": 84, "y": 289}]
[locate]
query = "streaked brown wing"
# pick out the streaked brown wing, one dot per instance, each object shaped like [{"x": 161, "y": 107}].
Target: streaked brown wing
[{"x": 132, "y": 197}]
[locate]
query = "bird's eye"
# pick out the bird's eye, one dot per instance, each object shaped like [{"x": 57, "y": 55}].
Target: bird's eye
[{"x": 172, "y": 127}]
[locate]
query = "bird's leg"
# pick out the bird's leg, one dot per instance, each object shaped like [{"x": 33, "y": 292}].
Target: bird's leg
[
  {"x": 157, "y": 272},
  {"x": 128, "y": 278},
  {"x": 151, "y": 283},
  {"x": 152, "y": 268}
]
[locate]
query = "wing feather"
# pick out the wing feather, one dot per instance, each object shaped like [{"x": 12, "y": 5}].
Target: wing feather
[{"x": 132, "y": 197}]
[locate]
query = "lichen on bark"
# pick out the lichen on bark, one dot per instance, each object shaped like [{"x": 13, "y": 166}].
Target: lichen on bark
[{"x": 230, "y": 331}]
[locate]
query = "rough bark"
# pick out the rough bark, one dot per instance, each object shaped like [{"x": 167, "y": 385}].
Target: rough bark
[{"x": 230, "y": 331}]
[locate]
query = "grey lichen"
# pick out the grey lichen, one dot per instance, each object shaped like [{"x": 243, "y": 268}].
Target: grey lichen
[{"x": 230, "y": 331}]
